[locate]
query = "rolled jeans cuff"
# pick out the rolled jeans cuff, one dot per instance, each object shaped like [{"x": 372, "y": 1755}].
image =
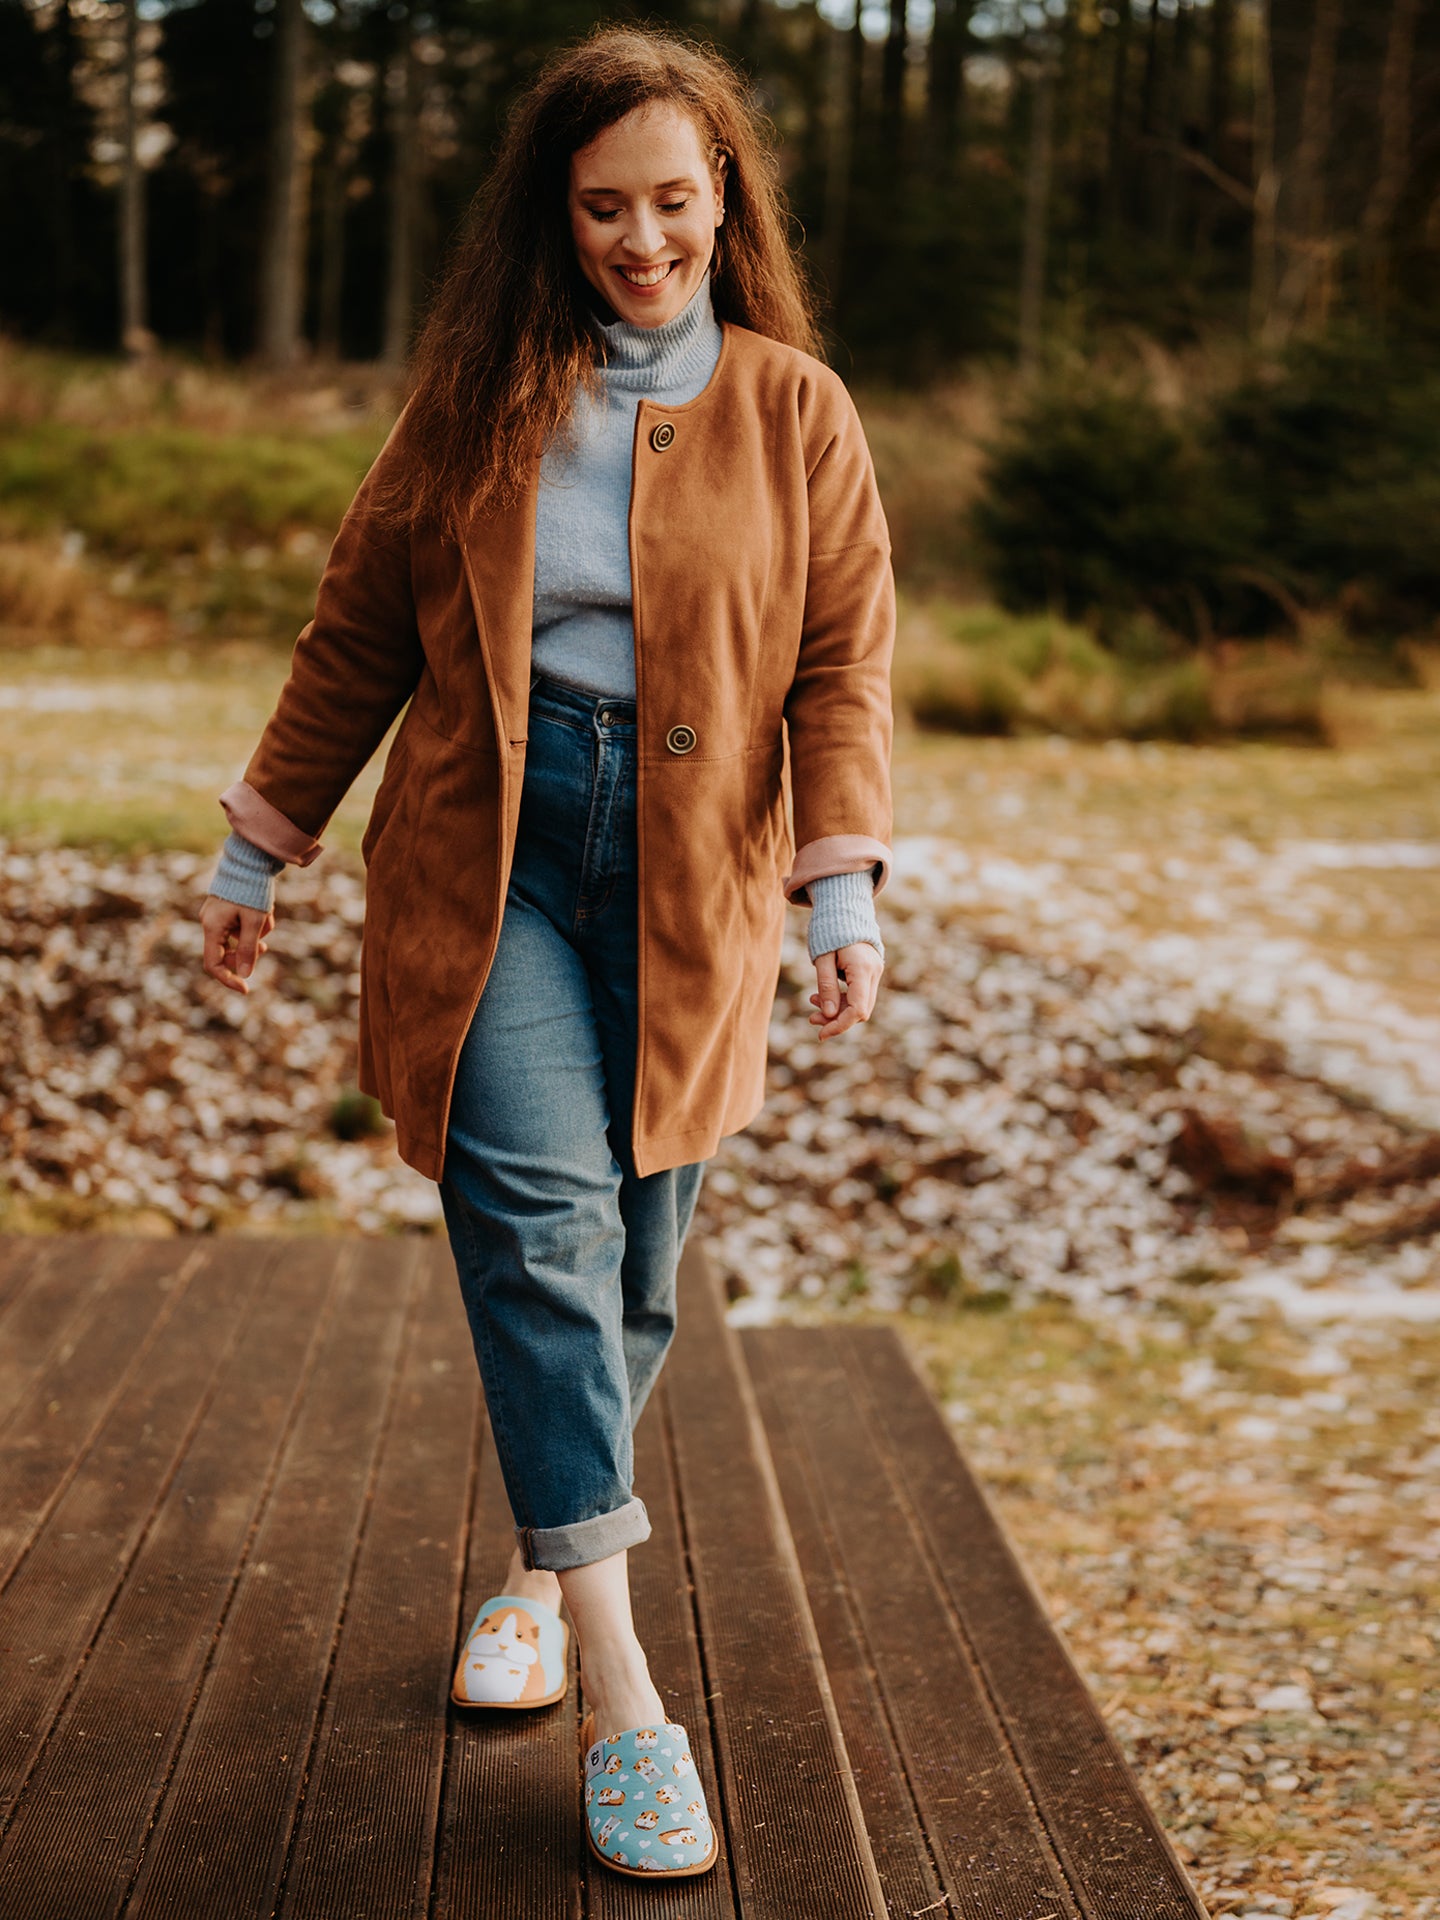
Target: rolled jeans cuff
[{"x": 558, "y": 1549}]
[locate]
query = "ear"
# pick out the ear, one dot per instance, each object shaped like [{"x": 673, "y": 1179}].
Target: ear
[{"x": 720, "y": 161}]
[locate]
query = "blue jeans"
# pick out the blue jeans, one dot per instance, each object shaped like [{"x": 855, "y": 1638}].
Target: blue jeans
[{"x": 566, "y": 1256}]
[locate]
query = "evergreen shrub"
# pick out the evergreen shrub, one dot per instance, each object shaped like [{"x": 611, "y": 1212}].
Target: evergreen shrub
[{"x": 1313, "y": 484}]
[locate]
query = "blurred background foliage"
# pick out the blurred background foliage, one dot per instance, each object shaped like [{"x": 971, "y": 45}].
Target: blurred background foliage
[{"x": 1139, "y": 300}]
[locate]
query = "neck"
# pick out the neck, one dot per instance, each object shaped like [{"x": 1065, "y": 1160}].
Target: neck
[{"x": 654, "y": 358}]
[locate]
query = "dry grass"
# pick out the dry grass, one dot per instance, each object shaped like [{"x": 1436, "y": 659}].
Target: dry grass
[
  {"x": 976, "y": 670},
  {"x": 1212, "y": 1514}
]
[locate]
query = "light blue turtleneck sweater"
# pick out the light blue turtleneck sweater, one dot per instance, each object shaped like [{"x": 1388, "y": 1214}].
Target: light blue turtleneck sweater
[{"x": 583, "y": 629}]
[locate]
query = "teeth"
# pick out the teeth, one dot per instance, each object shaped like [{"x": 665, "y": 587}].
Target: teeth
[{"x": 647, "y": 276}]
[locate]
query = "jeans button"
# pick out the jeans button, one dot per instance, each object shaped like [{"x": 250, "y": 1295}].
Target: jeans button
[{"x": 607, "y": 718}]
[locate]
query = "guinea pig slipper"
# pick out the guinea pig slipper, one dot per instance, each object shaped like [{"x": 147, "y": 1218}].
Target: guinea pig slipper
[
  {"x": 515, "y": 1655},
  {"x": 645, "y": 1809}
]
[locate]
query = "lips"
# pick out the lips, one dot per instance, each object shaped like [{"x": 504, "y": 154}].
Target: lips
[{"x": 645, "y": 277}]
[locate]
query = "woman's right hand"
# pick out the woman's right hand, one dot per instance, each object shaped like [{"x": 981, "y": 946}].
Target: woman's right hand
[{"x": 234, "y": 940}]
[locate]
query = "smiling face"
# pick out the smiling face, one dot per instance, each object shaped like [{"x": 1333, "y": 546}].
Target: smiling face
[{"x": 644, "y": 205}]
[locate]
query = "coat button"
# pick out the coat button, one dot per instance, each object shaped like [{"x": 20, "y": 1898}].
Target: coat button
[
  {"x": 662, "y": 437},
  {"x": 680, "y": 739}
]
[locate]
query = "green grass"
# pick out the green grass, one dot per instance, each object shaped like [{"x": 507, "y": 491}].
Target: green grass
[{"x": 175, "y": 490}]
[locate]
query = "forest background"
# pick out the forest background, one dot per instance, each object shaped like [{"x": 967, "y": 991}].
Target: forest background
[{"x": 1141, "y": 301}]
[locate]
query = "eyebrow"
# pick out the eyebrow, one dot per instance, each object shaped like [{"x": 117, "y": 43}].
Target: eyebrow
[{"x": 665, "y": 186}]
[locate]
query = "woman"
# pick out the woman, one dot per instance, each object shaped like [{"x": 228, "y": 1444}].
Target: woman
[{"x": 623, "y": 543}]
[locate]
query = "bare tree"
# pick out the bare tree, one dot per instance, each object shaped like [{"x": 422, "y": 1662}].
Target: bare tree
[
  {"x": 402, "y": 109},
  {"x": 282, "y": 258},
  {"x": 135, "y": 335},
  {"x": 1394, "y": 162},
  {"x": 838, "y": 143},
  {"x": 1307, "y": 284},
  {"x": 892, "y": 80},
  {"x": 1037, "y": 208},
  {"x": 1267, "y": 183}
]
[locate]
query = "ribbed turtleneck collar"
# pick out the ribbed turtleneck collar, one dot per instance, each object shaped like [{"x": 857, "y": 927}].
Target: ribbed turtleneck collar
[{"x": 655, "y": 359}]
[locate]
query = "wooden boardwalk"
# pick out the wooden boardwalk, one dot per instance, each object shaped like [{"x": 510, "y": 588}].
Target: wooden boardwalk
[{"x": 248, "y": 1504}]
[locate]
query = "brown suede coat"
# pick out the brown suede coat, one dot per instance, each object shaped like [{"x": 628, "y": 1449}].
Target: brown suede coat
[{"x": 763, "y": 606}]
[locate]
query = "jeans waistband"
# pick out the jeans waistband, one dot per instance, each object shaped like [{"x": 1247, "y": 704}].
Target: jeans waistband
[{"x": 578, "y": 705}]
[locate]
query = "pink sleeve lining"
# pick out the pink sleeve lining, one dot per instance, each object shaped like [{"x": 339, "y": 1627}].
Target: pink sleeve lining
[
  {"x": 836, "y": 853},
  {"x": 254, "y": 819}
]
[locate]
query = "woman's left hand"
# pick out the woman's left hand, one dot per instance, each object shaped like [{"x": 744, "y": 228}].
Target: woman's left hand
[{"x": 839, "y": 1004}]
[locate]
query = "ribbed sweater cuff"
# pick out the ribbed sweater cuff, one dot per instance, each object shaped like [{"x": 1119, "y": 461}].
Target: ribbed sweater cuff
[
  {"x": 843, "y": 913},
  {"x": 246, "y": 874}
]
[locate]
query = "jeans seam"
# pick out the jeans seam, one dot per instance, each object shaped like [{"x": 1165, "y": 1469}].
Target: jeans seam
[{"x": 508, "y": 1461}]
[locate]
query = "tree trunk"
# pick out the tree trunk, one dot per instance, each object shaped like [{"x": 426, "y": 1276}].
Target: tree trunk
[
  {"x": 329, "y": 300},
  {"x": 945, "y": 82},
  {"x": 1037, "y": 211},
  {"x": 892, "y": 83},
  {"x": 838, "y": 160},
  {"x": 400, "y": 271},
  {"x": 1222, "y": 52},
  {"x": 1173, "y": 119},
  {"x": 135, "y": 337},
  {"x": 1393, "y": 166},
  {"x": 282, "y": 271},
  {"x": 1267, "y": 185},
  {"x": 1113, "y": 198},
  {"x": 1306, "y": 286},
  {"x": 1150, "y": 86}
]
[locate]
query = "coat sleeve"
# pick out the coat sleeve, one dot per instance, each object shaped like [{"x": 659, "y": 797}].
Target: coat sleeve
[
  {"x": 838, "y": 710},
  {"x": 354, "y": 666}
]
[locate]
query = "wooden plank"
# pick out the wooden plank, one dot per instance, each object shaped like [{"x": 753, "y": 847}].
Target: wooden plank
[
  {"x": 42, "y": 1318},
  {"x": 990, "y": 1847},
  {"x": 76, "y": 1843},
  {"x": 902, "y": 1853},
  {"x": 510, "y": 1838},
  {"x": 366, "y": 1839},
  {"x": 21, "y": 1257},
  {"x": 53, "y": 1607},
  {"x": 56, "y": 1420},
  {"x": 222, "y": 1834},
  {"x": 1108, "y": 1839},
  {"x": 795, "y": 1836},
  {"x": 665, "y": 1621}
]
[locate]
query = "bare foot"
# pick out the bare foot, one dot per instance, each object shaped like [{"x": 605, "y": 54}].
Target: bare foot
[
  {"x": 622, "y": 1697},
  {"x": 531, "y": 1583}
]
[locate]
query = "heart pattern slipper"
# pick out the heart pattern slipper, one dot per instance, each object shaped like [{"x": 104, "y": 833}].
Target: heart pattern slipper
[
  {"x": 514, "y": 1656},
  {"x": 645, "y": 1809}
]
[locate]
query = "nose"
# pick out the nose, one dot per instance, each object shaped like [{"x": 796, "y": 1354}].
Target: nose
[{"x": 643, "y": 233}]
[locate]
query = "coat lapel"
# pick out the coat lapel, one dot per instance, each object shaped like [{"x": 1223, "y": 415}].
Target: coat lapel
[{"x": 499, "y": 550}]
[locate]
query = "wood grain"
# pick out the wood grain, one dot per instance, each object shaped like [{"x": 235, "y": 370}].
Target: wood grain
[
  {"x": 104, "y": 1771},
  {"x": 366, "y": 1841},
  {"x": 791, "y": 1818},
  {"x": 223, "y": 1829},
  {"x": 1114, "y": 1853}
]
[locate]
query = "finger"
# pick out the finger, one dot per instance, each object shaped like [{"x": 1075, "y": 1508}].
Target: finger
[
  {"x": 862, "y": 979},
  {"x": 846, "y": 1018},
  {"x": 828, "y": 981},
  {"x": 252, "y": 926}
]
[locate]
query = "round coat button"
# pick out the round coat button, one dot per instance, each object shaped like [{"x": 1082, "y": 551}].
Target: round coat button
[
  {"x": 662, "y": 437},
  {"x": 680, "y": 739}
]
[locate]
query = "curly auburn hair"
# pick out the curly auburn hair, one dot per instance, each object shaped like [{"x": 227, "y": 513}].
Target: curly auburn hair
[{"x": 508, "y": 336}]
